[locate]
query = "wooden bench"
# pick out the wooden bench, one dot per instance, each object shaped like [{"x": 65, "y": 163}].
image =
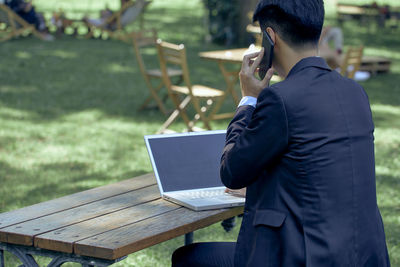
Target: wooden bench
[
  {"x": 375, "y": 65},
  {"x": 369, "y": 13},
  {"x": 361, "y": 13},
  {"x": 101, "y": 226}
]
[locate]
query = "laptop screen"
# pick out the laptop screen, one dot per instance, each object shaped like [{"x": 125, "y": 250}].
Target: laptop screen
[{"x": 188, "y": 160}]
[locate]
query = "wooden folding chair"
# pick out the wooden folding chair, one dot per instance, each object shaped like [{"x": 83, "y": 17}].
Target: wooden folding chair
[
  {"x": 15, "y": 26},
  {"x": 202, "y": 98},
  {"x": 142, "y": 40},
  {"x": 352, "y": 62},
  {"x": 114, "y": 25}
]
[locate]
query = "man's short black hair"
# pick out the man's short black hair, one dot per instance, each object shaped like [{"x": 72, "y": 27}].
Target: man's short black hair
[{"x": 298, "y": 22}]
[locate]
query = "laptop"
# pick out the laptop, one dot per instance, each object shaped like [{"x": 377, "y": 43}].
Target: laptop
[{"x": 186, "y": 166}]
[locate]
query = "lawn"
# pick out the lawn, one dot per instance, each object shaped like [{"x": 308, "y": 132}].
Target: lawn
[{"x": 69, "y": 118}]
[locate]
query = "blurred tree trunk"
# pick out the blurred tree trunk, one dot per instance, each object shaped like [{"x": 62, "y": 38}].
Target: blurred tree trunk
[{"x": 246, "y": 6}]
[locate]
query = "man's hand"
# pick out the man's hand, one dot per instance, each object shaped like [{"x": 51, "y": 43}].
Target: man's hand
[
  {"x": 250, "y": 85},
  {"x": 239, "y": 192}
]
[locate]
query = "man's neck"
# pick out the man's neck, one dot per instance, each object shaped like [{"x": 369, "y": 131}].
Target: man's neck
[{"x": 288, "y": 58}]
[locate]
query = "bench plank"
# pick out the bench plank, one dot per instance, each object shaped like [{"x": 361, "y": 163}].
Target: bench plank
[
  {"x": 63, "y": 239},
  {"x": 23, "y": 233},
  {"x": 131, "y": 238},
  {"x": 74, "y": 200},
  {"x": 375, "y": 64}
]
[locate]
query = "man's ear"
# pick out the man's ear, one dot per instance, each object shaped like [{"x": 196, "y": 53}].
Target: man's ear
[{"x": 272, "y": 34}]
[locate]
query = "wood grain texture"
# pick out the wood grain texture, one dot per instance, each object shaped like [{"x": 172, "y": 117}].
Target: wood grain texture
[
  {"x": 74, "y": 200},
  {"x": 64, "y": 238},
  {"x": 23, "y": 233},
  {"x": 131, "y": 238},
  {"x": 375, "y": 64},
  {"x": 229, "y": 55}
]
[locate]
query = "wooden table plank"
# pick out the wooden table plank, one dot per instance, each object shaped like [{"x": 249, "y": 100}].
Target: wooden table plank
[
  {"x": 63, "y": 239},
  {"x": 375, "y": 64},
  {"x": 74, "y": 200},
  {"x": 230, "y": 56},
  {"x": 131, "y": 238},
  {"x": 23, "y": 233}
]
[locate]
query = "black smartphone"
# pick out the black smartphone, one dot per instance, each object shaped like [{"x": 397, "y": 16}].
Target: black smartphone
[{"x": 266, "y": 61}]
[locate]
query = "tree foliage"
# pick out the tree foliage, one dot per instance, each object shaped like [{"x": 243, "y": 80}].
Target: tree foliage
[{"x": 223, "y": 17}]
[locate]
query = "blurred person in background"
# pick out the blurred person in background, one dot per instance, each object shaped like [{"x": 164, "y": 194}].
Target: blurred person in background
[
  {"x": 26, "y": 10},
  {"x": 105, "y": 14},
  {"x": 331, "y": 46}
]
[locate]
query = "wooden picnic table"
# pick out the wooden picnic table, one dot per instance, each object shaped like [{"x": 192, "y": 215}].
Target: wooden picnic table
[{"x": 101, "y": 226}]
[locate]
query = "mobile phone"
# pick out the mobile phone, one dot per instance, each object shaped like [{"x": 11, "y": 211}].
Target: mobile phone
[{"x": 266, "y": 61}]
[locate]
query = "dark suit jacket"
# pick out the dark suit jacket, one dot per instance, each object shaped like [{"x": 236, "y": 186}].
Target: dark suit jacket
[{"x": 306, "y": 156}]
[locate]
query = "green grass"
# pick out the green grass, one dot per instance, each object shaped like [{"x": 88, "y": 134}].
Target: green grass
[{"x": 69, "y": 119}]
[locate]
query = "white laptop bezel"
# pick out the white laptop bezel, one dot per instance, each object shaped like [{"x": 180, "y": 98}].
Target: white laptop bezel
[{"x": 157, "y": 136}]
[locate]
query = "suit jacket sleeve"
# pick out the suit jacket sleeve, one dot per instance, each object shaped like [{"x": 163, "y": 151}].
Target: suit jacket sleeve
[{"x": 255, "y": 138}]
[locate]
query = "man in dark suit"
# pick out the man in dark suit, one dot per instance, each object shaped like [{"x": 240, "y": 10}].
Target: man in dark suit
[{"x": 304, "y": 149}]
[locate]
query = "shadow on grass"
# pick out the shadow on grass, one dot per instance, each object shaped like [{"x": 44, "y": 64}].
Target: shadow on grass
[
  {"x": 72, "y": 75},
  {"x": 390, "y": 212},
  {"x": 102, "y": 76},
  {"x": 50, "y": 181},
  {"x": 384, "y": 89}
]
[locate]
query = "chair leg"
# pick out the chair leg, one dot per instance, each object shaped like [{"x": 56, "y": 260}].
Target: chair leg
[
  {"x": 7, "y": 37},
  {"x": 154, "y": 95},
  {"x": 90, "y": 33},
  {"x": 231, "y": 78},
  {"x": 201, "y": 113},
  {"x": 146, "y": 103},
  {"x": 217, "y": 106},
  {"x": 178, "y": 111},
  {"x": 36, "y": 33},
  {"x": 182, "y": 109}
]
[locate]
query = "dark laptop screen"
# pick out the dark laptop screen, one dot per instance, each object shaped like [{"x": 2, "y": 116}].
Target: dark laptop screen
[{"x": 188, "y": 161}]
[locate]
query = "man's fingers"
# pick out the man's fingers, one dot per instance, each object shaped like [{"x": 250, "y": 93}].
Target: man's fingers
[
  {"x": 248, "y": 58},
  {"x": 257, "y": 62},
  {"x": 267, "y": 78}
]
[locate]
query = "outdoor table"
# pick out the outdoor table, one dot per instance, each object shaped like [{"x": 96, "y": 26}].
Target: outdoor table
[
  {"x": 101, "y": 226},
  {"x": 224, "y": 58}
]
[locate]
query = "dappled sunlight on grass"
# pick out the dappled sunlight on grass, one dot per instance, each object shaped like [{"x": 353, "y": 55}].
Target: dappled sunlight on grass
[
  {"x": 6, "y": 89},
  {"x": 63, "y": 54},
  {"x": 13, "y": 114},
  {"x": 386, "y": 109},
  {"x": 70, "y": 121},
  {"x": 23, "y": 55},
  {"x": 387, "y": 116},
  {"x": 383, "y": 52},
  {"x": 117, "y": 68}
]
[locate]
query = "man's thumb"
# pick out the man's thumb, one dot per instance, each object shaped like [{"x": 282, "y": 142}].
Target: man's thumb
[{"x": 267, "y": 78}]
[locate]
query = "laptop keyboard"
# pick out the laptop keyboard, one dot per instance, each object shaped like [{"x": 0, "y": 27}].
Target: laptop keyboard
[{"x": 204, "y": 193}]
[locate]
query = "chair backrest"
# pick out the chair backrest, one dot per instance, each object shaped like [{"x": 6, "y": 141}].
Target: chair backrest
[
  {"x": 352, "y": 61},
  {"x": 172, "y": 54},
  {"x": 131, "y": 12},
  {"x": 12, "y": 18},
  {"x": 142, "y": 40},
  {"x": 4, "y": 14},
  {"x": 125, "y": 15}
]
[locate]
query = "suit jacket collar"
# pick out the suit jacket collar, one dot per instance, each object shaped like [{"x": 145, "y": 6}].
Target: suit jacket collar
[{"x": 307, "y": 62}]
